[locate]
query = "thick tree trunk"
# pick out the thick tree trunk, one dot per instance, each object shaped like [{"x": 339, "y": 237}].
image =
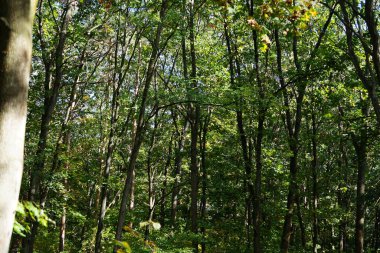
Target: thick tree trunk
[{"x": 16, "y": 20}]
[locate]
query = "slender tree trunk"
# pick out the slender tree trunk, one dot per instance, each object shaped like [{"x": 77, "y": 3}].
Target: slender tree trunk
[
  {"x": 360, "y": 144},
  {"x": 242, "y": 135},
  {"x": 314, "y": 166},
  {"x": 111, "y": 143},
  {"x": 62, "y": 231},
  {"x": 194, "y": 128},
  {"x": 16, "y": 20},
  {"x": 258, "y": 152},
  {"x": 151, "y": 175},
  {"x": 203, "y": 142},
  {"x": 293, "y": 133},
  {"x": 164, "y": 186},
  {"x": 376, "y": 231},
  {"x": 369, "y": 83},
  {"x": 178, "y": 168},
  {"x": 180, "y": 135},
  {"x": 301, "y": 223},
  {"x": 343, "y": 198},
  {"x": 140, "y": 124},
  {"x": 50, "y": 100}
]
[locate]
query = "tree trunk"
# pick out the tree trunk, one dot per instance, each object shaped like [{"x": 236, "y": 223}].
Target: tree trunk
[
  {"x": 194, "y": 128},
  {"x": 16, "y": 20},
  {"x": 177, "y": 169},
  {"x": 111, "y": 142},
  {"x": 376, "y": 231},
  {"x": 180, "y": 135},
  {"x": 258, "y": 152},
  {"x": 343, "y": 197},
  {"x": 203, "y": 142},
  {"x": 368, "y": 82},
  {"x": 301, "y": 223},
  {"x": 314, "y": 165},
  {"x": 50, "y": 101},
  {"x": 241, "y": 130},
  {"x": 140, "y": 129},
  {"x": 151, "y": 174},
  {"x": 164, "y": 186},
  {"x": 360, "y": 144}
]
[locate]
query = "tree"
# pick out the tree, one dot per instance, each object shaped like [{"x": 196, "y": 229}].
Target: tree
[{"x": 16, "y": 19}]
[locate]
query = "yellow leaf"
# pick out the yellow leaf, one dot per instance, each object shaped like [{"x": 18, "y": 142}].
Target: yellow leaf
[
  {"x": 313, "y": 12},
  {"x": 264, "y": 48}
]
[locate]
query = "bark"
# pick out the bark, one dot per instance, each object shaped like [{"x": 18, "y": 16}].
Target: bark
[{"x": 16, "y": 20}]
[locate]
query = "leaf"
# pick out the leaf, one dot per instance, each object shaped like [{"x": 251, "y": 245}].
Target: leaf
[
  {"x": 265, "y": 39},
  {"x": 156, "y": 225},
  {"x": 124, "y": 245},
  {"x": 19, "y": 229},
  {"x": 313, "y": 12},
  {"x": 20, "y": 209},
  {"x": 144, "y": 224}
]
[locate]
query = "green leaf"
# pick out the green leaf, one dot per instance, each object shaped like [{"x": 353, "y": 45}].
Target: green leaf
[{"x": 124, "y": 245}]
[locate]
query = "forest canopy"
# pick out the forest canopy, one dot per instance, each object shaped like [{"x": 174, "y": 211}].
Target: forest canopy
[{"x": 200, "y": 126}]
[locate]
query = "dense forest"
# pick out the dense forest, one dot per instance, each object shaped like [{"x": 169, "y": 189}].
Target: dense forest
[{"x": 190, "y": 126}]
